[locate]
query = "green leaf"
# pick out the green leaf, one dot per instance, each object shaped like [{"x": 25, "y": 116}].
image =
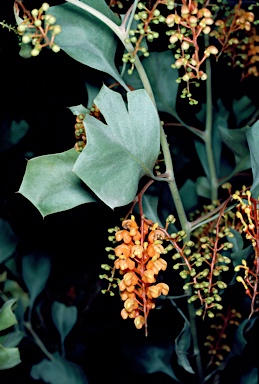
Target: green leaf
[
  {"x": 240, "y": 340},
  {"x": 8, "y": 241},
  {"x": 235, "y": 140},
  {"x": 182, "y": 347},
  {"x": 118, "y": 154},
  {"x": 11, "y": 339},
  {"x": 50, "y": 184},
  {"x": 220, "y": 118},
  {"x": 252, "y": 135},
  {"x": 64, "y": 319},
  {"x": 238, "y": 256},
  {"x": 36, "y": 269},
  {"x": 243, "y": 109},
  {"x": 203, "y": 187},
  {"x": 237, "y": 240},
  {"x": 162, "y": 79},
  {"x": 87, "y": 39},
  {"x": 58, "y": 371},
  {"x": 188, "y": 195},
  {"x": 7, "y": 317},
  {"x": 9, "y": 357}
]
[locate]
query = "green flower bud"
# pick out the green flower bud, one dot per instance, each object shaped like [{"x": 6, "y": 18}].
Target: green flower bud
[
  {"x": 35, "y": 52},
  {"x": 35, "y": 12},
  {"x": 55, "y": 48},
  {"x": 45, "y": 7}
]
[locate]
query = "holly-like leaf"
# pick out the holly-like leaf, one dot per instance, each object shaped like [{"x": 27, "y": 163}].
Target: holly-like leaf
[
  {"x": 64, "y": 318},
  {"x": 50, "y": 184},
  {"x": 9, "y": 357},
  {"x": 7, "y": 317},
  {"x": 252, "y": 135},
  {"x": 8, "y": 241},
  {"x": 58, "y": 371},
  {"x": 118, "y": 154},
  {"x": 87, "y": 39}
]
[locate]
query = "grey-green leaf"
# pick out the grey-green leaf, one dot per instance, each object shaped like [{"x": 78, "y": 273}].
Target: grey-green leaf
[
  {"x": 9, "y": 357},
  {"x": 7, "y": 317},
  {"x": 50, "y": 184},
  {"x": 58, "y": 371},
  {"x": 118, "y": 154},
  {"x": 64, "y": 318},
  {"x": 87, "y": 39}
]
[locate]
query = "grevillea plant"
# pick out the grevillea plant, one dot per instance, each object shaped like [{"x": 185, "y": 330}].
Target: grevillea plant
[{"x": 168, "y": 149}]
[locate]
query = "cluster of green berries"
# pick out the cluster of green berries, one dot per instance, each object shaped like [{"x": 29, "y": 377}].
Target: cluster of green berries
[
  {"x": 39, "y": 30},
  {"x": 205, "y": 282},
  {"x": 136, "y": 36}
]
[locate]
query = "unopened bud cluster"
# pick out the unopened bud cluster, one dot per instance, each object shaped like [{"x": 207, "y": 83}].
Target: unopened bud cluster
[
  {"x": 143, "y": 32},
  {"x": 38, "y": 29},
  {"x": 201, "y": 263},
  {"x": 138, "y": 259}
]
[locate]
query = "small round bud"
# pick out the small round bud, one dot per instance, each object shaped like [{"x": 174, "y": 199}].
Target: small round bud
[
  {"x": 51, "y": 20},
  {"x": 21, "y": 28},
  {"x": 55, "y": 48},
  {"x": 35, "y": 52},
  {"x": 26, "y": 39},
  {"x": 37, "y": 23},
  {"x": 35, "y": 12},
  {"x": 45, "y": 7},
  {"x": 56, "y": 29}
]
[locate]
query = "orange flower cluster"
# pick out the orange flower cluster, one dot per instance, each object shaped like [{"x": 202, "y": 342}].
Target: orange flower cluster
[{"x": 138, "y": 260}]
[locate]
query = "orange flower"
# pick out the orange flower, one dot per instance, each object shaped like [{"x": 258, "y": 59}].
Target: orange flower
[
  {"x": 130, "y": 278},
  {"x": 123, "y": 249},
  {"x": 148, "y": 276},
  {"x": 125, "y": 263},
  {"x": 137, "y": 250},
  {"x": 130, "y": 304},
  {"x": 123, "y": 235},
  {"x": 139, "y": 322}
]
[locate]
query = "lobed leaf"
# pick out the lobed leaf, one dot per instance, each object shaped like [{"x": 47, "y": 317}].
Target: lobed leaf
[
  {"x": 50, "y": 184},
  {"x": 118, "y": 154}
]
